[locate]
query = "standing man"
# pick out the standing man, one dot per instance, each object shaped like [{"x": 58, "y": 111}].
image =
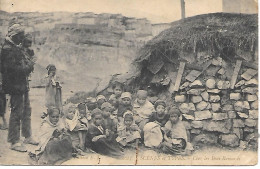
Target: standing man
[{"x": 16, "y": 66}]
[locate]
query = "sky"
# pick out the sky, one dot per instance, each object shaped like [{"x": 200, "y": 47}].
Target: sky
[{"x": 157, "y": 11}]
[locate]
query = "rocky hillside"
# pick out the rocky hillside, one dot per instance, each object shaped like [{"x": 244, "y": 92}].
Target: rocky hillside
[{"x": 85, "y": 47}]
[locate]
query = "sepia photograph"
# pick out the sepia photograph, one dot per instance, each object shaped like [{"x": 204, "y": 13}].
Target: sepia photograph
[{"x": 128, "y": 82}]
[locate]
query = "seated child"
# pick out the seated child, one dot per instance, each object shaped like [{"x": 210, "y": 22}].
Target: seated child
[
  {"x": 160, "y": 115},
  {"x": 75, "y": 127},
  {"x": 55, "y": 144},
  {"x": 97, "y": 135},
  {"x": 124, "y": 105},
  {"x": 128, "y": 131},
  {"x": 107, "y": 107},
  {"x": 91, "y": 103},
  {"x": 114, "y": 99},
  {"x": 109, "y": 123},
  {"x": 175, "y": 137},
  {"x": 153, "y": 135},
  {"x": 142, "y": 109},
  {"x": 100, "y": 100},
  {"x": 84, "y": 123}
]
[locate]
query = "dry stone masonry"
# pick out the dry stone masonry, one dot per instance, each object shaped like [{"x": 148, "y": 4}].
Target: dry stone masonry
[{"x": 214, "y": 113}]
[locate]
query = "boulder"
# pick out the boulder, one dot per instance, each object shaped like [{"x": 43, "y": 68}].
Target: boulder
[
  {"x": 242, "y": 115},
  {"x": 202, "y": 105},
  {"x": 208, "y": 107},
  {"x": 248, "y": 74},
  {"x": 211, "y": 83},
  {"x": 194, "y": 92},
  {"x": 249, "y": 129},
  {"x": 196, "y": 84},
  {"x": 238, "y": 123},
  {"x": 253, "y": 114},
  {"x": 214, "y": 98},
  {"x": 196, "y": 99},
  {"x": 218, "y": 126},
  {"x": 202, "y": 115},
  {"x": 241, "y": 105},
  {"x": 250, "y": 122},
  {"x": 251, "y": 82},
  {"x": 227, "y": 107},
  {"x": 215, "y": 107},
  {"x": 180, "y": 98},
  {"x": 188, "y": 117},
  {"x": 223, "y": 85},
  {"x": 214, "y": 91},
  {"x": 187, "y": 108},
  {"x": 195, "y": 131},
  {"x": 197, "y": 124},
  {"x": 219, "y": 116},
  {"x": 230, "y": 140},
  {"x": 232, "y": 114},
  {"x": 250, "y": 90},
  {"x": 238, "y": 132},
  {"x": 251, "y": 98},
  {"x": 254, "y": 105},
  {"x": 205, "y": 96},
  {"x": 240, "y": 83},
  {"x": 235, "y": 96},
  {"x": 205, "y": 139}
]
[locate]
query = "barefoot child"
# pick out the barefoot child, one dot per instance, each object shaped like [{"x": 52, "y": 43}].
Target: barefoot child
[
  {"x": 142, "y": 109},
  {"x": 160, "y": 115},
  {"x": 55, "y": 144},
  {"x": 100, "y": 100},
  {"x": 175, "y": 134},
  {"x": 75, "y": 128},
  {"x": 109, "y": 123},
  {"x": 53, "y": 89},
  {"x": 118, "y": 89},
  {"x": 98, "y": 135},
  {"x": 124, "y": 105},
  {"x": 128, "y": 131}
]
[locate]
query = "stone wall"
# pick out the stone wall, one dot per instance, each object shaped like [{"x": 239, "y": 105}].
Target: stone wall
[{"x": 214, "y": 113}]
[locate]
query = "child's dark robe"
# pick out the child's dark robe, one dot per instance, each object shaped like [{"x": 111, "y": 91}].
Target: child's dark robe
[
  {"x": 160, "y": 120},
  {"x": 103, "y": 146}
]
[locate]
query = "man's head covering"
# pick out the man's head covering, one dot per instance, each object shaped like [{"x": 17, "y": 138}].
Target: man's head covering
[
  {"x": 15, "y": 29},
  {"x": 142, "y": 94},
  {"x": 126, "y": 95}
]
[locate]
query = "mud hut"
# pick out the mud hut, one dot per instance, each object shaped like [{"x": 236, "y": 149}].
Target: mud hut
[{"x": 207, "y": 66}]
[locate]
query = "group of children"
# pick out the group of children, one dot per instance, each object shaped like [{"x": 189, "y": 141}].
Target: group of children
[{"x": 110, "y": 125}]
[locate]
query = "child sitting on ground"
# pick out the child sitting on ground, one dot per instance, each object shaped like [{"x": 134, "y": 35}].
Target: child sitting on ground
[
  {"x": 114, "y": 99},
  {"x": 91, "y": 103},
  {"x": 97, "y": 135},
  {"x": 142, "y": 109},
  {"x": 175, "y": 137},
  {"x": 128, "y": 131},
  {"x": 160, "y": 115},
  {"x": 76, "y": 128},
  {"x": 124, "y": 105},
  {"x": 100, "y": 100},
  {"x": 109, "y": 123},
  {"x": 55, "y": 144}
]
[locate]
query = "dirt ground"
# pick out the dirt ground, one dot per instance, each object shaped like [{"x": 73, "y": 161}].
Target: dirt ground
[{"x": 205, "y": 156}]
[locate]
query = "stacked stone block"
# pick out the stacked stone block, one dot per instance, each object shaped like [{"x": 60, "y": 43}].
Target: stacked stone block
[{"x": 216, "y": 114}]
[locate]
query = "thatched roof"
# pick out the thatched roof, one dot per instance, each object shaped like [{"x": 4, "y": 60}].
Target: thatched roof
[{"x": 211, "y": 35}]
